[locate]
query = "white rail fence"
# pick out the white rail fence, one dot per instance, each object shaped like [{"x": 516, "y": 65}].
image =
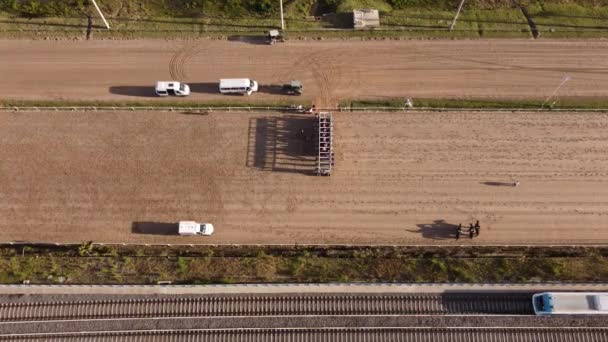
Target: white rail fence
[{"x": 285, "y": 109}]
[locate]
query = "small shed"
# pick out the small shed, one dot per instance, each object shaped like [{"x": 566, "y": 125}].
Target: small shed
[{"x": 366, "y": 18}]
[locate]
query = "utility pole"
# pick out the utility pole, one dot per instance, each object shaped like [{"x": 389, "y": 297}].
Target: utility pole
[
  {"x": 101, "y": 15},
  {"x": 282, "y": 21},
  {"x": 456, "y": 16},
  {"x": 565, "y": 79}
]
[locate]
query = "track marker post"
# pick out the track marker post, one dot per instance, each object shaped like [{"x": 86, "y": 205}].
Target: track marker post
[
  {"x": 101, "y": 14},
  {"x": 282, "y": 21},
  {"x": 565, "y": 79},
  {"x": 456, "y": 16}
]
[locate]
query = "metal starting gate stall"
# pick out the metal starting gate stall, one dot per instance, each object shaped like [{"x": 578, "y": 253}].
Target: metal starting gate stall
[{"x": 325, "y": 153}]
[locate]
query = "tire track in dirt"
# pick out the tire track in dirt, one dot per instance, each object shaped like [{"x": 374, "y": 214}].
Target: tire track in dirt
[
  {"x": 180, "y": 60},
  {"x": 328, "y": 75}
]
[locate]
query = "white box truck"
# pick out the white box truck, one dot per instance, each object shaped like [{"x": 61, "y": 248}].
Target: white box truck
[
  {"x": 189, "y": 228},
  {"x": 238, "y": 86},
  {"x": 166, "y": 88}
]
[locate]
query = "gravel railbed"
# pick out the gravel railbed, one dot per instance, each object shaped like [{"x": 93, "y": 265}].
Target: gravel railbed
[
  {"x": 29, "y": 298},
  {"x": 285, "y": 322}
]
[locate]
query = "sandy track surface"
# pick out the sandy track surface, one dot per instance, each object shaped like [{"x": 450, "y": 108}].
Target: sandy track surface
[
  {"x": 399, "y": 178},
  {"x": 330, "y": 70}
]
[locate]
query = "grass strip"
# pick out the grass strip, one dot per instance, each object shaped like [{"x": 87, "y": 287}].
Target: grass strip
[
  {"x": 532, "y": 104},
  {"x": 414, "y": 22},
  {"x": 53, "y": 19},
  {"x": 93, "y": 264}
]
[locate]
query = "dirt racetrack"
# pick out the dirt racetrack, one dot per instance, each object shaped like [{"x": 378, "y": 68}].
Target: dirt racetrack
[
  {"x": 399, "y": 178},
  {"x": 330, "y": 70}
]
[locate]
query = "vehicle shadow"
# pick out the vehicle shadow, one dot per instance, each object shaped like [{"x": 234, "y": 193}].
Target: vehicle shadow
[
  {"x": 140, "y": 91},
  {"x": 154, "y": 228},
  {"x": 282, "y": 144},
  {"x": 438, "y": 230},
  {"x": 498, "y": 183},
  {"x": 205, "y": 88},
  {"x": 255, "y": 40},
  {"x": 494, "y": 303},
  {"x": 274, "y": 89}
]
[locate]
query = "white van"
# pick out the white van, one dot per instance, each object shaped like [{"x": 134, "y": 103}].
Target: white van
[
  {"x": 166, "y": 88},
  {"x": 238, "y": 86},
  {"x": 187, "y": 228}
]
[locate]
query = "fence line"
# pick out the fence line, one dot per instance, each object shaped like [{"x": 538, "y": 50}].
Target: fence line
[{"x": 286, "y": 109}]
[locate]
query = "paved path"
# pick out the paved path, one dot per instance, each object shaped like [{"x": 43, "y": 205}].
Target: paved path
[{"x": 292, "y": 288}]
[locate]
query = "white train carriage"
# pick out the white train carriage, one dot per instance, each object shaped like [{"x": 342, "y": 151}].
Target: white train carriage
[{"x": 570, "y": 303}]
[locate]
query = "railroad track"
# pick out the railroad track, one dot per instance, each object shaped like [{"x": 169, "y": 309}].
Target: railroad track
[
  {"x": 331, "y": 334},
  {"x": 267, "y": 305}
]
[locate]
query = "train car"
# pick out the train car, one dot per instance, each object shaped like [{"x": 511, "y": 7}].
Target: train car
[{"x": 570, "y": 303}]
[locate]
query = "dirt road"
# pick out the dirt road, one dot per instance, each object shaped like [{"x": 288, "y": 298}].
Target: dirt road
[
  {"x": 330, "y": 70},
  {"x": 399, "y": 178}
]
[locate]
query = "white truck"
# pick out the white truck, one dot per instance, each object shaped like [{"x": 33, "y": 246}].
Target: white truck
[
  {"x": 166, "y": 88},
  {"x": 190, "y": 228},
  {"x": 570, "y": 303},
  {"x": 238, "y": 86}
]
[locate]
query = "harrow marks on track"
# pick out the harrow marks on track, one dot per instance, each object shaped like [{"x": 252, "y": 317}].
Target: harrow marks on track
[{"x": 269, "y": 306}]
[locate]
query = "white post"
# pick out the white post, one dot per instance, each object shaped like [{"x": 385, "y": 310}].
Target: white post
[
  {"x": 456, "y": 16},
  {"x": 282, "y": 21},
  {"x": 565, "y": 79},
  {"x": 101, "y": 14}
]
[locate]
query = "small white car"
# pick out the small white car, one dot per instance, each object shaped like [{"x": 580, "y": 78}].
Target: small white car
[
  {"x": 190, "y": 228},
  {"x": 166, "y": 88}
]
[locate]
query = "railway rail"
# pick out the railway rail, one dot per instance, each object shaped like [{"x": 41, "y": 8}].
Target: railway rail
[
  {"x": 270, "y": 305},
  {"x": 365, "y": 334}
]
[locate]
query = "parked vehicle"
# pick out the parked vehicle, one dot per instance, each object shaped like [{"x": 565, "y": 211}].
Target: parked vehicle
[
  {"x": 190, "y": 228},
  {"x": 570, "y": 303},
  {"x": 238, "y": 86},
  {"x": 293, "y": 88},
  {"x": 274, "y": 36},
  {"x": 167, "y": 88}
]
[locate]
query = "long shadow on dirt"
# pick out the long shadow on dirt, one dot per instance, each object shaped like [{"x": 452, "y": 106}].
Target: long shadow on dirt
[
  {"x": 438, "y": 230},
  {"x": 205, "y": 88},
  {"x": 154, "y": 228},
  {"x": 274, "y": 89},
  {"x": 140, "y": 91},
  {"x": 282, "y": 144},
  {"x": 498, "y": 183},
  {"x": 254, "y": 40}
]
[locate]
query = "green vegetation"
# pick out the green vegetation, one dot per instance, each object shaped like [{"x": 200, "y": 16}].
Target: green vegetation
[
  {"x": 570, "y": 19},
  {"x": 532, "y": 104},
  {"x": 204, "y": 264},
  {"x": 220, "y": 18}
]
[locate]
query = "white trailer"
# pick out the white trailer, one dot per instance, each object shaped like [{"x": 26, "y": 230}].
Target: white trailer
[
  {"x": 238, "y": 86},
  {"x": 570, "y": 303},
  {"x": 189, "y": 228}
]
